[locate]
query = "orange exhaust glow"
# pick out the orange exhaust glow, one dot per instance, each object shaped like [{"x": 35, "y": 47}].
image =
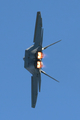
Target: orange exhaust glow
[
  {"x": 39, "y": 64},
  {"x": 40, "y": 55}
]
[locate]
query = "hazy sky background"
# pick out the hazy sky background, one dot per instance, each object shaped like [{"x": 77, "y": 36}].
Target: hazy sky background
[{"x": 56, "y": 101}]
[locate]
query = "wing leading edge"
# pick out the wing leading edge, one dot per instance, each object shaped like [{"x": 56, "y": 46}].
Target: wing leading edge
[
  {"x": 38, "y": 30},
  {"x": 35, "y": 79}
]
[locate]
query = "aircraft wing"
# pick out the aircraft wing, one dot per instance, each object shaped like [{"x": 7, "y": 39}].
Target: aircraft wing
[
  {"x": 34, "y": 88},
  {"x": 38, "y": 34}
]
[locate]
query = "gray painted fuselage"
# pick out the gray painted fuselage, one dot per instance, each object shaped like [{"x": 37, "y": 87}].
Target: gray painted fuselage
[{"x": 30, "y": 59}]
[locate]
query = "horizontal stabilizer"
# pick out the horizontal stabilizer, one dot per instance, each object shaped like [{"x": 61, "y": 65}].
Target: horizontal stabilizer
[
  {"x": 49, "y": 75},
  {"x": 50, "y": 45}
]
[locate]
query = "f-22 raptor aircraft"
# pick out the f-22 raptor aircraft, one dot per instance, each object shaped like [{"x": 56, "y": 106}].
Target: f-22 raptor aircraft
[{"x": 33, "y": 60}]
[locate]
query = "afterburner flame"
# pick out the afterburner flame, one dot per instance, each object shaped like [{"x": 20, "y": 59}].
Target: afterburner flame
[
  {"x": 40, "y": 55},
  {"x": 39, "y": 64}
]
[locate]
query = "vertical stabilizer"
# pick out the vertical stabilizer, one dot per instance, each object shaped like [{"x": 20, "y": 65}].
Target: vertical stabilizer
[
  {"x": 49, "y": 75},
  {"x": 50, "y": 45}
]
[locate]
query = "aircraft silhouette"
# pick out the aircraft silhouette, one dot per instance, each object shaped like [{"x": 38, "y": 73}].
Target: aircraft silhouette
[{"x": 33, "y": 59}]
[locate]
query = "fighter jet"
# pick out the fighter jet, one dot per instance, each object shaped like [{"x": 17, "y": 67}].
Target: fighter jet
[{"x": 33, "y": 60}]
